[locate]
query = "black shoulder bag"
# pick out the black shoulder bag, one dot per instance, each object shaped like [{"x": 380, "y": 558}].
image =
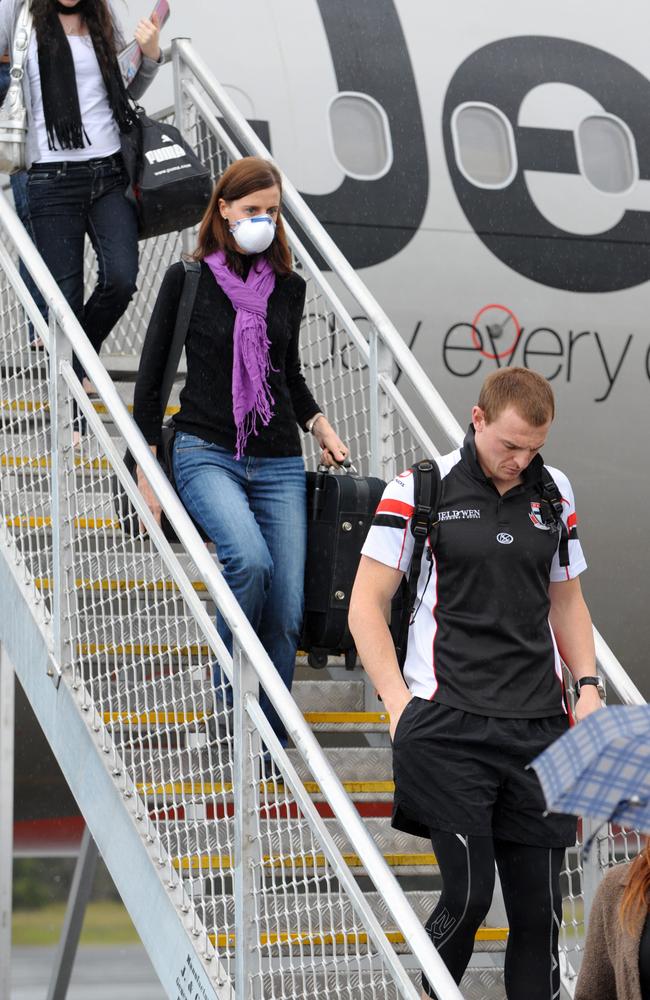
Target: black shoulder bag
[
  {"x": 125, "y": 511},
  {"x": 168, "y": 185},
  {"x": 427, "y": 487},
  {"x": 551, "y": 513}
]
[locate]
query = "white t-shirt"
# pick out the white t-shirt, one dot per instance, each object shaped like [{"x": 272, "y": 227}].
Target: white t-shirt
[{"x": 96, "y": 115}]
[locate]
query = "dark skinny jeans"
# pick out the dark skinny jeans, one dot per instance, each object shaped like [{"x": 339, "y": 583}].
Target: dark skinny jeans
[{"x": 68, "y": 199}]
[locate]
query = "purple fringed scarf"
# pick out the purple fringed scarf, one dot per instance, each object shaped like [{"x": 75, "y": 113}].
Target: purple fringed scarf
[{"x": 251, "y": 396}]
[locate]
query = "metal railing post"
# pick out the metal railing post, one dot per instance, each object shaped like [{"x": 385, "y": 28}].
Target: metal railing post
[
  {"x": 593, "y": 866},
  {"x": 6, "y": 815},
  {"x": 382, "y": 461},
  {"x": 246, "y": 783},
  {"x": 80, "y": 891},
  {"x": 62, "y": 451},
  {"x": 181, "y": 112}
]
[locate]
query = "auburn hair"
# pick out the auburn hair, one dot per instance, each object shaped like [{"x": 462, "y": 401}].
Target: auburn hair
[
  {"x": 252, "y": 173},
  {"x": 636, "y": 898},
  {"x": 96, "y": 16},
  {"x": 527, "y": 392}
]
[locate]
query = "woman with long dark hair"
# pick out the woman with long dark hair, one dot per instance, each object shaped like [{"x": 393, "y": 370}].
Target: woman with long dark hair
[
  {"x": 237, "y": 455},
  {"x": 616, "y": 962},
  {"x": 77, "y": 106}
]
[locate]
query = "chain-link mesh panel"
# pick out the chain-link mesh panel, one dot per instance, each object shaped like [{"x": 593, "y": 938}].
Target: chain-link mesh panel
[
  {"x": 144, "y": 652},
  {"x": 25, "y": 462}
]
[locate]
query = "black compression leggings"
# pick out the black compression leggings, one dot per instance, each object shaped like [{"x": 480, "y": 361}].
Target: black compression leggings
[{"x": 530, "y": 878}]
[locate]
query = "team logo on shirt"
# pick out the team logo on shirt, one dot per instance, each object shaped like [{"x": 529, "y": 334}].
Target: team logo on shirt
[
  {"x": 536, "y": 515},
  {"x": 473, "y": 514}
]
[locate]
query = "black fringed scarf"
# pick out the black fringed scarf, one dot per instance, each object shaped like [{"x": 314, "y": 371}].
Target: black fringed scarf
[{"x": 59, "y": 86}]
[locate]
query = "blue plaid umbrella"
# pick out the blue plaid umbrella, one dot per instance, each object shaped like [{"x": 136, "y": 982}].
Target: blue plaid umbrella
[{"x": 601, "y": 768}]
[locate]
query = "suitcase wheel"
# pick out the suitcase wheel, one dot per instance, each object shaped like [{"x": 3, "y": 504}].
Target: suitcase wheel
[{"x": 317, "y": 659}]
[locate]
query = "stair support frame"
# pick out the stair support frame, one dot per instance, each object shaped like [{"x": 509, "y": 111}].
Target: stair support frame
[
  {"x": 62, "y": 553},
  {"x": 246, "y": 782},
  {"x": 80, "y": 891},
  {"x": 130, "y": 855}
]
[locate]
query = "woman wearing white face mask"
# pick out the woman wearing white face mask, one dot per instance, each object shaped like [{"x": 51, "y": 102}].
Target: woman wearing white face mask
[{"x": 237, "y": 456}]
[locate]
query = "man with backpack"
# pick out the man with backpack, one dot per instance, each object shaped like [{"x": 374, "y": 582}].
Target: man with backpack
[{"x": 494, "y": 598}]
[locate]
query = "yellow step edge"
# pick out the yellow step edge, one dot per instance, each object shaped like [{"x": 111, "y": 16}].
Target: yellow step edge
[
  {"x": 43, "y": 406},
  {"x": 43, "y": 462},
  {"x": 182, "y": 718},
  {"x": 139, "y": 649},
  {"x": 212, "y": 862},
  {"x": 153, "y": 718},
  {"x": 46, "y": 522},
  {"x": 46, "y": 583},
  {"x": 339, "y": 718},
  {"x": 342, "y": 937},
  {"x": 202, "y": 788}
]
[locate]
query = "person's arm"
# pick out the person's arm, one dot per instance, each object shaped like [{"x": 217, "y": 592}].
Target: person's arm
[
  {"x": 597, "y": 980},
  {"x": 147, "y": 35},
  {"x": 373, "y": 590},
  {"x": 572, "y": 628},
  {"x": 305, "y": 407},
  {"x": 147, "y": 402}
]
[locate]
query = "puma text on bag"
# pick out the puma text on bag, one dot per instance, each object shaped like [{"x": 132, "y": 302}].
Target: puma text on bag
[{"x": 168, "y": 184}]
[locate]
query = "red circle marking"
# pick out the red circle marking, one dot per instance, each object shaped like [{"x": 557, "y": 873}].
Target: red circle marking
[{"x": 475, "y": 339}]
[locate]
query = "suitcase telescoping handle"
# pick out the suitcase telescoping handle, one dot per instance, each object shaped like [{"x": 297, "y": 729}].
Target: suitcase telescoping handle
[{"x": 322, "y": 472}]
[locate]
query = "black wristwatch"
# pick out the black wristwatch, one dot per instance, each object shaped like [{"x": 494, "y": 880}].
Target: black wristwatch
[{"x": 594, "y": 681}]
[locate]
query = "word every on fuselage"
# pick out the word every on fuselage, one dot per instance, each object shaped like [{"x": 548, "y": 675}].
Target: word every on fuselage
[{"x": 466, "y": 350}]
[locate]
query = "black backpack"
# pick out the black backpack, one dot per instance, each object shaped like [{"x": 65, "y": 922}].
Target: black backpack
[{"x": 427, "y": 488}]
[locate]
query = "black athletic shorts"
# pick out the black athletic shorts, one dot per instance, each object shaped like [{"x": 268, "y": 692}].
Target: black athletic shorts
[{"x": 465, "y": 773}]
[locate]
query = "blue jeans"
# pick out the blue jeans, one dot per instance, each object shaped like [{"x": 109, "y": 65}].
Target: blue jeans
[
  {"x": 254, "y": 510},
  {"x": 19, "y": 190},
  {"x": 67, "y": 200}
]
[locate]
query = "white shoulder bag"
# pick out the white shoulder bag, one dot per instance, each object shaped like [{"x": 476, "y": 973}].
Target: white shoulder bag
[{"x": 13, "y": 114}]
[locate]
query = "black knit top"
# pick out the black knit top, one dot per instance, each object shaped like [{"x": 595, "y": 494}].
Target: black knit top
[{"x": 206, "y": 398}]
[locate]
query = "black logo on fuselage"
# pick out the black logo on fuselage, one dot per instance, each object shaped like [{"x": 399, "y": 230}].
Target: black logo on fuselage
[{"x": 507, "y": 219}]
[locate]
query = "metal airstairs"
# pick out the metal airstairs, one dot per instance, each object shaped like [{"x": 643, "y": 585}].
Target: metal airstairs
[{"x": 240, "y": 885}]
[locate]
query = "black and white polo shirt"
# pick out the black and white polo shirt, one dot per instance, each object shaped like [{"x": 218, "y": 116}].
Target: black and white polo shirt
[{"x": 481, "y": 640}]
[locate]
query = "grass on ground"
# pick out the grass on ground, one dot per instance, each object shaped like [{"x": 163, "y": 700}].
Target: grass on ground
[{"x": 106, "y": 922}]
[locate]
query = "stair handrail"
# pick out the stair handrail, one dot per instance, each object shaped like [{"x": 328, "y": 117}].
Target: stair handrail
[{"x": 244, "y": 635}]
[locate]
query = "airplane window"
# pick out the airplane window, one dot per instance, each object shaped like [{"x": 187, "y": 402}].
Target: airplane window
[
  {"x": 360, "y": 135},
  {"x": 607, "y": 153},
  {"x": 484, "y": 145}
]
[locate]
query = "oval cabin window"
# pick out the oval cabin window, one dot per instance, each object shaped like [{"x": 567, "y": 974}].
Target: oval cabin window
[
  {"x": 607, "y": 154},
  {"x": 484, "y": 145},
  {"x": 360, "y": 135}
]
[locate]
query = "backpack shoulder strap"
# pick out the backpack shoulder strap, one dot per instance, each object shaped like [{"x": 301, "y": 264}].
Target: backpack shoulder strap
[
  {"x": 183, "y": 315},
  {"x": 427, "y": 486},
  {"x": 553, "y": 497}
]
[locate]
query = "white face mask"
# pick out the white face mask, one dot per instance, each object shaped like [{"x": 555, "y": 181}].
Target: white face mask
[{"x": 254, "y": 235}]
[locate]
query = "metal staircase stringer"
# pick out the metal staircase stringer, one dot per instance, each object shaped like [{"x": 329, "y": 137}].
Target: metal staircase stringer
[{"x": 151, "y": 892}]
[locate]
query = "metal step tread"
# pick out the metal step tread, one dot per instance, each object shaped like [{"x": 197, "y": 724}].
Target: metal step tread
[
  {"x": 178, "y": 690},
  {"x": 191, "y": 845},
  {"x": 180, "y": 776}
]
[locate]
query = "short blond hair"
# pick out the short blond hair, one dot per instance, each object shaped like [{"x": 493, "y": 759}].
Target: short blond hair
[{"x": 529, "y": 393}]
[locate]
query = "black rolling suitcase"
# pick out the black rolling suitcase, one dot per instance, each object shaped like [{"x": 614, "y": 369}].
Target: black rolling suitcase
[{"x": 340, "y": 509}]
